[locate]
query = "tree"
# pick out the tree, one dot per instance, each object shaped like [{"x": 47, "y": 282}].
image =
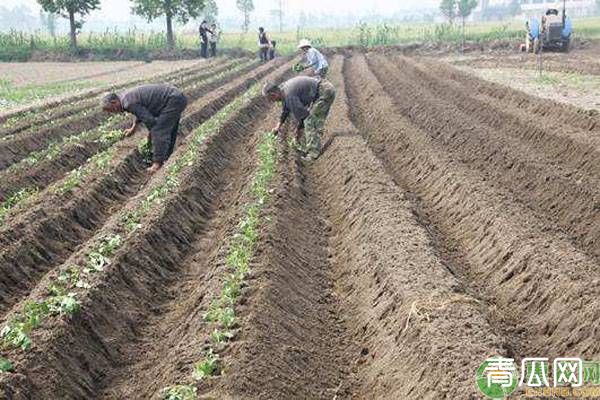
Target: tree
[
  {"x": 246, "y": 7},
  {"x": 69, "y": 9},
  {"x": 448, "y": 9},
  {"x": 48, "y": 21},
  {"x": 182, "y": 10},
  {"x": 210, "y": 12},
  {"x": 465, "y": 8}
]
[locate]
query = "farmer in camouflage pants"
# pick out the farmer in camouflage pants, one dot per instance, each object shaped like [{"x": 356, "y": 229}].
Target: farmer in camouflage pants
[{"x": 309, "y": 100}]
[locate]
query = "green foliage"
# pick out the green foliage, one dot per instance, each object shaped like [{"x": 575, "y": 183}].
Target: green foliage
[
  {"x": 179, "y": 392},
  {"x": 98, "y": 258},
  {"x": 183, "y": 10},
  {"x": 465, "y": 7},
  {"x": 448, "y": 8},
  {"x": 5, "y": 365},
  {"x": 145, "y": 149},
  {"x": 207, "y": 367},
  {"x": 16, "y": 199},
  {"x": 219, "y": 336},
  {"x": 68, "y": 9},
  {"x": 246, "y": 7}
]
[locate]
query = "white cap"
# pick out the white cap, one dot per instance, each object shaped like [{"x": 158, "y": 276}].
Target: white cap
[{"x": 304, "y": 43}]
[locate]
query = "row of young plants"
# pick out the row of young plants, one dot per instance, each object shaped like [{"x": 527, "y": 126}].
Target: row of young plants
[
  {"x": 62, "y": 293},
  {"x": 98, "y": 163},
  {"x": 221, "y": 314},
  {"x": 103, "y": 134},
  {"x": 42, "y": 116},
  {"x": 52, "y": 116},
  {"x": 50, "y": 123}
]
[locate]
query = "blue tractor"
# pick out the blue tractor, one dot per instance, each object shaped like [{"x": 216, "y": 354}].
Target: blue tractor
[{"x": 553, "y": 33}]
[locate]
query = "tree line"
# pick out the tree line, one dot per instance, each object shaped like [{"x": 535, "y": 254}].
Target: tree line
[{"x": 171, "y": 10}]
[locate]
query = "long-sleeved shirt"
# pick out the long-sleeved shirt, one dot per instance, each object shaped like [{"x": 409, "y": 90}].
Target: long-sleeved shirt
[
  {"x": 315, "y": 60},
  {"x": 147, "y": 101},
  {"x": 298, "y": 94}
]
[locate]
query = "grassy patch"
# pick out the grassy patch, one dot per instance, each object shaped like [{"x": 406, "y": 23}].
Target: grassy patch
[{"x": 11, "y": 96}]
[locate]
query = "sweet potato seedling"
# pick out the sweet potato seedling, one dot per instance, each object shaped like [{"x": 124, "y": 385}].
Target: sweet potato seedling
[
  {"x": 5, "y": 365},
  {"x": 207, "y": 367},
  {"x": 179, "y": 392}
]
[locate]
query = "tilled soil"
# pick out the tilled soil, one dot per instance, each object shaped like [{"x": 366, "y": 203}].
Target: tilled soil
[
  {"x": 50, "y": 229},
  {"x": 448, "y": 220}
]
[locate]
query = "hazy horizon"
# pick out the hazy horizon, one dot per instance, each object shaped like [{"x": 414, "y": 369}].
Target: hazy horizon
[{"x": 118, "y": 12}]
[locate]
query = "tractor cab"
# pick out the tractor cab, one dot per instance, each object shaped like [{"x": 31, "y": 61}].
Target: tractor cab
[{"x": 552, "y": 33}]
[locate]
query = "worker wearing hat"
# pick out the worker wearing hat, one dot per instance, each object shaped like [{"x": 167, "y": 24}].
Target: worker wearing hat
[{"x": 313, "y": 59}]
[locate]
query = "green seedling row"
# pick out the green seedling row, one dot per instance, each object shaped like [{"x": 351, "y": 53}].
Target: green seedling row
[
  {"x": 102, "y": 134},
  {"x": 242, "y": 247},
  {"x": 17, "y": 199},
  {"x": 61, "y": 298},
  {"x": 46, "y": 114},
  {"x": 100, "y": 161}
]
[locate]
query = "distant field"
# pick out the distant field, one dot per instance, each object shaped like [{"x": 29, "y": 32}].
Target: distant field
[{"x": 17, "y": 46}]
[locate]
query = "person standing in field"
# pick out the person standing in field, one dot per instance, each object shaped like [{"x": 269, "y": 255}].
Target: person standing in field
[
  {"x": 309, "y": 100},
  {"x": 214, "y": 39},
  {"x": 313, "y": 59},
  {"x": 263, "y": 44},
  {"x": 159, "y": 107},
  {"x": 204, "y": 30},
  {"x": 272, "y": 50}
]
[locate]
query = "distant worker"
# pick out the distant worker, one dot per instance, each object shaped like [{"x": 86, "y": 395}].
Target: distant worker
[
  {"x": 159, "y": 107},
  {"x": 313, "y": 59},
  {"x": 204, "y": 30},
  {"x": 263, "y": 44},
  {"x": 309, "y": 100},
  {"x": 272, "y": 50},
  {"x": 214, "y": 39}
]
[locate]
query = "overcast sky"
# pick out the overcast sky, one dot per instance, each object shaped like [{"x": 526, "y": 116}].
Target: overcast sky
[{"x": 118, "y": 10}]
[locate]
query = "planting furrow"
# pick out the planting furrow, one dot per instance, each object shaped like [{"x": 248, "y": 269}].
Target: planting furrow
[
  {"x": 16, "y": 148},
  {"x": 402, "y": 301},
  {"x": 553, "y": 175},
  {"x": 69, "y": 212},
  {"x": 537, "y": 282},
  {"x": 172, "y": 334},
  {"x": 118, "y": 298},
  {"x": 522, "y": 103},
  {"x": 45, "y": 166},
  {"x": 347, "y": 284},
  {"x": 68, "y": 106}
]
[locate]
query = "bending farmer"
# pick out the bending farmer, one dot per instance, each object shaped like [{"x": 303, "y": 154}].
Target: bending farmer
[
  {"x": 309, "y": 99},
  {"x": 313, "y": 59},
  {"x": 159, "y": 107}
]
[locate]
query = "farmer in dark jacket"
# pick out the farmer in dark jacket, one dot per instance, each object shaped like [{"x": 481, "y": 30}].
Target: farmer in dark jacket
[
  {"x": 308, "y": 100},
  {"x": 159, "y": 107}
]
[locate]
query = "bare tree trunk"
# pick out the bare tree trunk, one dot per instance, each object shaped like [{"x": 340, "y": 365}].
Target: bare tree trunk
[
  {"x": 170, "y": 37},
  {"x": 463, "y": 34},
  {"x": 246, "y": 20},
  {"x": 73, "y": 34}
]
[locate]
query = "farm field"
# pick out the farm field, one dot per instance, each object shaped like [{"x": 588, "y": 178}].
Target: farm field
[
  {"x": 449, "y": 219},
  {"x": 24, "y": 85}
]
